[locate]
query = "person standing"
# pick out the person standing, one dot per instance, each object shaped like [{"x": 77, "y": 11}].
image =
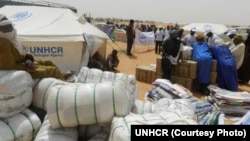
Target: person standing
[
  {"x": 231, "y": 34},
  {"x": 238, "y": 50},
  {"x": 171, "y": 52},
  {"x": 190, "y": 38},
  {"x": 227, "y": 77},
  {"x": 130, "y": 32},
  {"x": 243, "y": 72},
  {"x": 211, "y": 38},
  {"x": 159, "y": 35},
  {"x": 202, "y": 55}
]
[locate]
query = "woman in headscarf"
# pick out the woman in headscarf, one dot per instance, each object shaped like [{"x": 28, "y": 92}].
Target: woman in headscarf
[
  {"x": 202, "y": 55},
  {"x": 238, "y": 50},
  {"x": 227, "y": 77}
]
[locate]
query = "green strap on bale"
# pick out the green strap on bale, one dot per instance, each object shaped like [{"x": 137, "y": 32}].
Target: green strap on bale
[
  {"x": 77, "y": 119},
  {"x": 46, "y": 92},
  {"x": 57, "y": 108},
  {"x": 11, "y": 129}
]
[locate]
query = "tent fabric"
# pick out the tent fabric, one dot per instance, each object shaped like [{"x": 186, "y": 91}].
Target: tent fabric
[
  {"x": 227, "y": 77},
  {"x": 56, "y": 36},
  {"x": 202, "y": 27},
  {"x": 203, "y": 57},
  {"x": 38, "y": 22}
]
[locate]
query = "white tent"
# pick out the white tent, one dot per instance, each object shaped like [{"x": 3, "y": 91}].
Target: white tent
[
  {"x": 55, "y": 34},
  {"x": 202, "y": 27}
]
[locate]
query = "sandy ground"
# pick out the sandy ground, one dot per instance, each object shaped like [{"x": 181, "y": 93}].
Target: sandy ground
[{"x": 143, "y": 55}]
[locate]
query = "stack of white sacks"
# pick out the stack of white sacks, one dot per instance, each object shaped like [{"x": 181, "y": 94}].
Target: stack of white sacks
[
  {"x": 17, "y": 122},
  {"x": 98, "y": 106},
  {"x": 88, "y": 105}
]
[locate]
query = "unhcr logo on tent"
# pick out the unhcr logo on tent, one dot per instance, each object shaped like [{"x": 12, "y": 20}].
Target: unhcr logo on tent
[
  {"x": 20, "y": 16},
  {"x": 44, "y": 51}
]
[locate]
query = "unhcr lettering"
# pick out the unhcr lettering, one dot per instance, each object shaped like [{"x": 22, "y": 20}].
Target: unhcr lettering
[{"x": 44, "y": 50}]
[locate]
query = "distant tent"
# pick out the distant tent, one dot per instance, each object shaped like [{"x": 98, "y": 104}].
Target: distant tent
[{"x": 202, "y": 27}]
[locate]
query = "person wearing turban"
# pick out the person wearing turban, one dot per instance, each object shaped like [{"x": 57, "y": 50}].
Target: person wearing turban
[
  {"x": 7, "y": 31},
  {"x": 202, "y": 55},
  {"x": 227, "y": 77},
  {"x": 238, "y": 50}
]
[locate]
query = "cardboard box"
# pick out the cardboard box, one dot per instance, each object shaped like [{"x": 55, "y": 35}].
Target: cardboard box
[
  {"x": 213, "y": 77},
  {"x": 214, "y": 66},
  {"x": 146, "y": 73},
  {"x": 153, "y": 76},
  {"x": 158, "y": 65},
  {"x": 158, "y": 75},
  {"x": 185, "y": 82},
  {"x": 187, "y": 69}
]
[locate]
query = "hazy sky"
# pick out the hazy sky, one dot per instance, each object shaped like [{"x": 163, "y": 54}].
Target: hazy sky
[{"x": 181, "y": 11}]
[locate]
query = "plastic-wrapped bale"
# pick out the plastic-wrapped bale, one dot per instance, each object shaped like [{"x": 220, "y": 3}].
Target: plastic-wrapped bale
[
  {"x": 85, "y": 104},
  {"x": 183, "y": 106},
  {"x": 131, "y": 86},
  {"x": 141, "y": 107},
  {"x": 88, "y": 75},
  {"x": 100, "y": 136},
  {"x": 40, "y": 91},
  {"x": 121, "y": 126},
  {"x": 87, "y": 132},
  {"x": 46, "y": 133},
  {"x": 93, "y": 75},
  {"x": 14, "y": 82},
  {"x": 21, "y": 127},
  {"x": 17, "y": 104},
  {"x": 187, "y": 53},
  {"x": 165, "y": 88}
]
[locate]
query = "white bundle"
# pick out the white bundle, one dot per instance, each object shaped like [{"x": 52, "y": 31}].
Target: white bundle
[
  {"x": 142, "y": 107},
  {"x": 183, "y": 106},
  {"x": 46, "y": 133},
  {"x": 40, "y": 91},
  {"x": 100, "y": 136},
  {"x": 12, "y": 106},
  {"x": 187, "y": 53},
  {"x": 14, "y": 82},
  {"x": 121, "y": 126},
  {"x": 87, "y": 75},
  {"x": 85, "y": 104},
  {"x": 89, "y": 131},
  {"x": 93, "y": 75},
  {"x": 21, "y": 127}
]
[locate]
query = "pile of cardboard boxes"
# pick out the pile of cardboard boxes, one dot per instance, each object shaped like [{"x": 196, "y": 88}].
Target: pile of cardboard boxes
[{"x": 185, "y": 73}]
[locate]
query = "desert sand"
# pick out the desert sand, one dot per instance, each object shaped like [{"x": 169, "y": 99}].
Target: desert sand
[{"x": 143, "y": 55}]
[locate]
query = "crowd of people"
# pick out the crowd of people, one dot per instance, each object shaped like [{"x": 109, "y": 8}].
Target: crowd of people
[{"x": 232, "y": 57}]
